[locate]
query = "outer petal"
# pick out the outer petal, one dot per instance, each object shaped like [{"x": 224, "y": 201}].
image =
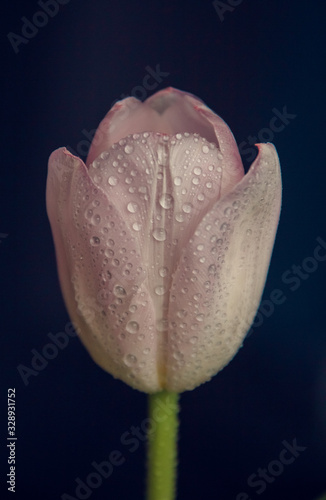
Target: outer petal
[
  {"x": 101, "y": 274},
  {"x": 218, "y": 284}
]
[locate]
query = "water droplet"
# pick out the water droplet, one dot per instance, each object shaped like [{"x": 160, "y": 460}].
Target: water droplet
[
  {"x": 96, "y": 219},
  {"x": 179, "y": 217},
  {"x": 136, "y": 226},
  {"x": 95, "y": 241},
  {"x": 132, "y": 327},
  {"x": 186, "y": 207},
  {"x": 97, "y": 179},
  {"x": 177, "y": 181},
  {"x": 130, "y": 360},
  {"x": 146, "y": 350},
  {"x": 112, "y": 180},
  {"x": 109, "y": 252},
  {"x": 166, "y": 201},
  {"x": 228, "y": 211},
  {"x": 159, "y": 234},
  {"x": 163, "y": 271},
  {"x": 197, "y": 170},
  {"x": 193, "y": 340},
  {"x": 200, "y": 317},
  {"x": 119, "y": 291},
  {"x": 160, "y": 290},
  {"x": 205, "y": 149},
  {"x": 200, "y": 247},
  {"x": 249, "y": 232},
  {"x": 132, "y": 207},
  {"x": 177, "y": 355},
  {"x": 212, "y": 269},
  {"x": 129, "y": 149},
  {"x": 195, "y": 181}
]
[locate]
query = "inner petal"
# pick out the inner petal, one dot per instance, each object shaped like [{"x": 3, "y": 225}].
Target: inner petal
[{"x": 162, "y": 186}]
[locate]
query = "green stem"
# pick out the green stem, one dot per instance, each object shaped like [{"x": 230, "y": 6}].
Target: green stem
[{"x": 162, "y": 446}]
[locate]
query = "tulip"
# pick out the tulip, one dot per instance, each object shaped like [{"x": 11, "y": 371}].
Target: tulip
[{"x": 163, "y": 243}]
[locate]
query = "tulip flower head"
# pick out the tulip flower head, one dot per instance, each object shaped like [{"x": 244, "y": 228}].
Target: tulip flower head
[{"x": 163, "y": 243}]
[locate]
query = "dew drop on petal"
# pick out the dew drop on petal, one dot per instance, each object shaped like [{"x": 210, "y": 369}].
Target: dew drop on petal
[
  {"x": 132, "y": 207},
  {"x": 159, "y": 234},
  {"x": 177, "y": 181},
  {"x": 119, "y": 291},
  {"x": 197, "y": 170},
  {"x": 193, "y": 340},
  {"x": 166, "y": 201},
  {"x": 136, "y": 226},
  {"x": 212, "y": 269},
  {"x": 179, "y": 217},
  {"x": 160, "y": 290},
  {"x": 130, "y": 360},
  {"x": 129, "y": 149},
  {"x": 112, "y": 180},
  {"x": 186, "y": 207},
  {"x": 163, "y": 271},
  {"x": 96, "y": 219},
  {"x": 205, "y": 149},
  {"x": 95, "y": 241},
  {"x": 132, "y": 327}
]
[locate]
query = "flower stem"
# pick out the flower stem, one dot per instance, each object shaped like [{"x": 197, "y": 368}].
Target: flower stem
[{"x": 162, "y": 446}]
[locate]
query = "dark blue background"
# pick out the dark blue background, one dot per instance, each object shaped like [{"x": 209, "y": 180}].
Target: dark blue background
[{"x": 263, "y": 55}]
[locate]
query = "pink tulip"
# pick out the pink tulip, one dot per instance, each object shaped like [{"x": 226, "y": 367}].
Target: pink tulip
[{"x": 162, "y": 243}]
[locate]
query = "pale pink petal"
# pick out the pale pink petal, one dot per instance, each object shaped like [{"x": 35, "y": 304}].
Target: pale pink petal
[
  {"x": 226, "y": 144},
  {"x": 102, "y": 274},
  {"x": 126, "y": 117},
  {"x": 178, "y": 112},
  {"x": 218, "y": 283}
]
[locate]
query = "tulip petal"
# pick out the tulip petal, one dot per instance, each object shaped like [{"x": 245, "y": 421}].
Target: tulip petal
[
  {"x": 169, "y": 111},
  {"x": 218, "y": 283},
  {"x": 126, "y": 117},
  {"x": 102, "y": 275}
]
